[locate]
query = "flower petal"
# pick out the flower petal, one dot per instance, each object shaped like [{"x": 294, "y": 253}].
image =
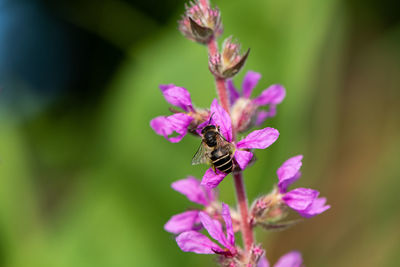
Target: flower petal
[
  {"x": 222, "y": 119},
  {"x": 243, "y": 158},
  {"x": 214, "y": 228},
  {"x": 317, "y": 207},
  {"x": 272, "y": 95},
  {"x": 289, "y": 172},
  {"x": 263, "y": 262},
  {"x": 212, "y": 194},
  {"x": 259, "y": 139},
  {"x": 182, "y": 222},
  {"x": 226, "y": 215},
  {"x": 161, "y": 126},
  {"x": 249, "y": 82},
  {"x": 291, "y": 259},
  {"x": 192, "y": 241},
  {"x": 262, "y": 115},
  {"x": 300, "y": 199},
  {"x": 177, "y": 96},
  {"x": 271, "y": 111},
  {"x": 212, "y": 179},
  {"x": 191, "y": 188},
  {"x": 233, "y": 93},
  {"x": 165, "y": 126},
  {"x": 164, "y": 87}
]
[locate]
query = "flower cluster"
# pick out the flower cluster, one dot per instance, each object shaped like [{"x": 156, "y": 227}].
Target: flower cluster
[
  {"x": 245, "y": 111},
  {"x": 198, "y": 194},
  {"x": 303, "y": 200},
  {"x": 189, "y": 220},
  {"x": 274, "y": 206},
  {"x": 258, "y": 139},
  {"x": 210, "y": 227},
  {"x": 181, "y": 121},
  {"x": 194, "y": 241}
]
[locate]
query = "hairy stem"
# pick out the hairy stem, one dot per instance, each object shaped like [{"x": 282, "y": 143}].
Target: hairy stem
[
  {"x": 212, "y": 47},
  {"x": 222, "y": 93},
  {"x": 246, "y": 229}
]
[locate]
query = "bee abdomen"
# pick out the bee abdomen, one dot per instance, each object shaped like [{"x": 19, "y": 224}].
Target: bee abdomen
[
  {"x": 227, "y": 167},
  {"x": 221, "y": 160},
  {"x": 224, "y": 163}
]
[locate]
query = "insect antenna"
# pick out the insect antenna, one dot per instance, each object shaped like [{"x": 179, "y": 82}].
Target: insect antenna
[{"x": 209, "y": 122}]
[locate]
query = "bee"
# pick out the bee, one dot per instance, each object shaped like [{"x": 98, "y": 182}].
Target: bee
[{"x": 214, "y": 150}]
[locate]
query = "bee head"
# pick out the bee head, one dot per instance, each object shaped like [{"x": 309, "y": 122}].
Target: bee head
[{"x": 208, "y": 128}]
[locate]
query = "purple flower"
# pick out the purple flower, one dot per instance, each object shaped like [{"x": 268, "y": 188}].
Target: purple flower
[
  {"x": 189, "y": 220},
  {"x": 291, "y": 259},
  {"x": 303, "y": 200},
  {"x": 245, "y": 110},
  {"x": 180, "y": 122},
  {"x": 192, "y": 241},
  {"x": 259, "y": 139}
]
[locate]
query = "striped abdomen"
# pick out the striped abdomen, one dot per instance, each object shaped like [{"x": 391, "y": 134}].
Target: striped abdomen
[{"x": 222, "y": 160}]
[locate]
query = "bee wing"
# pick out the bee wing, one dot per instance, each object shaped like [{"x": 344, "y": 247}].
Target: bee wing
[
  {"x": 224, "y": 144},
  {"x": 201, "y": 155}
]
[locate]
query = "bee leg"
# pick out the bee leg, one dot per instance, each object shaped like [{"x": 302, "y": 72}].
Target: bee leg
[{"x": 214, "y": 169}]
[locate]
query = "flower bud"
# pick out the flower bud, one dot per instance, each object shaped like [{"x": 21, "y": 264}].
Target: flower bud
[
  {"x": 256, "y": 252},
  {"x": 268, "y": 208},
  {"x": 229, "y": 62},
  {"x": 242, "y": 259},
  {"x": 201, "y": 23},
  {"x": 243, "y": 113}
]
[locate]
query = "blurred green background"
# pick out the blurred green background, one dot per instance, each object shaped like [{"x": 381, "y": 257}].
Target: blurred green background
[{"x": 84, "y": 181}]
